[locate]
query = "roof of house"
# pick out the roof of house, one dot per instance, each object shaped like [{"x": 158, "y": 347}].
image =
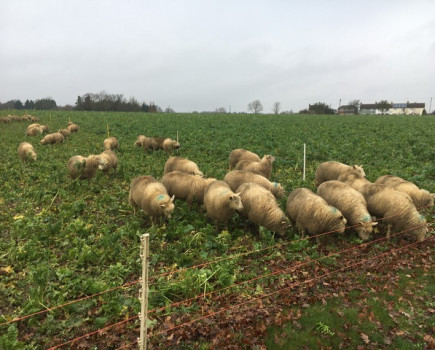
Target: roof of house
[{"x": 373, "y": 106}]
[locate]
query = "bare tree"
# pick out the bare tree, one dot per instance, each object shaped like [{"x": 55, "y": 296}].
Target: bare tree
[
  {"x": 255, "y": 106},
  {"x": 220, "y": 110},
  {"x": 276, "y": 107}
]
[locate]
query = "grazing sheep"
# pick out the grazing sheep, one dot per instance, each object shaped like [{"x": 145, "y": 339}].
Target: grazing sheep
[
  {"x": 332, "y": 170},
  {"x": 169, "y": 145},
  {"x": 139, "y": 141},
  {"x": 110, "y": 143},
  {"x": 311, "y": 213},
  {"x": 73, "y": 127},
  {"x": 150, "y": 195},
  {"x": 110, "y": 163},
  {"x": 354, "y": 180},
  {"x": 421, "y": 198},
  {"x": 48, "y": 139},
  {"x": 397, "y": 210},
  {"x": 181, "y": 164},
  {"x": 65, "y": 132},
  {"x": 263, "y": 167},
  {"x": 26, "y": 152},
  {"x": 33, "y": 130},
  {"x": 84, "y": 168},
  {"x": 237, "y": 177},
  {"x": 242, "y": 154},
  {"x": 220, "y": 202},
  {"x": 186, "y": 186},
  {"x": 261, "y": 207},
  {"x": 351, "y": 203},
  {"x": 157, "y": 143}
]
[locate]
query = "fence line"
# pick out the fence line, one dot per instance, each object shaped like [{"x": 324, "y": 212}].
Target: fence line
[{"x": 17, "y": 319}]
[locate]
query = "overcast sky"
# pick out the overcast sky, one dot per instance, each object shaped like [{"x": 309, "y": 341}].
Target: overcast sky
[{"x": 197, "y": 55}]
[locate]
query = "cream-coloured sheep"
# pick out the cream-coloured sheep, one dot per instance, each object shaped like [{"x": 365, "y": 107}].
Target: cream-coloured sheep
[
  {"x": 73, "y": 127},
  {"x": 169, "y": 145},
  {"x": 351, "y": 203},
  {"x": 151, "y": 196},
  {"x": 186, "y": 186},
  {"x": 397, "y": 210},
  {"x": 237, "y": 177},
  {"x": 312, "y": 214},
  {"x": 84, "y": 168},
  {"x": 332, "y": 170},
  {"x": 354, "y": 180},
  {"x": 220, "y": 202},
  {"x": 260, "y": 206},
  {"x": 110, "y": 163},
  {"x": 26, "y": 152},
  {"x": 33, "y": 130},
  {"x": 241, "y": 154},
  {"x": 55, "y": 137},
  {"x": 181, "y": 164},
  {"x": 263, "y": 167},
  {"x": 65, "y": 132},
  {"x": 110, "y": 143},
  {"x": 421, "y": 198},
  {"x": 139, "y": 141}
]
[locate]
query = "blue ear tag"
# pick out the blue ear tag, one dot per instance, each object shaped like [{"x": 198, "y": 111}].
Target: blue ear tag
[{"x": 160, "y": 197}]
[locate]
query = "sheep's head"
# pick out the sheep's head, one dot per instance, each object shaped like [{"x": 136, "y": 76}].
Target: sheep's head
[
  {"x": 93, "y": 161},
  {"x": 360, "y": 170},
  {"x": 102, "y": 163},
  {"x": 235, "y": 201},
  {"x": 31, "y": 155},
  {"x": 283, "y": 226},
  {"x": 166, "y": 205},
  {"x": 175, "y": 145},
  {"x": 364, "y": 229},
  {"x": 269, "y": 158}
]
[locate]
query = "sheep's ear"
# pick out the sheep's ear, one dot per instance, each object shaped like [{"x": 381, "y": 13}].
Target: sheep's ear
[
  {"x": 238, "y": 193},
  {"x": 162, "y": 205},
  {"x": 354, "y": 166},
  {"x": 172, "y": 198},
  {"x": 361, "y": 166},
  {"x": 374, "y": 223}
]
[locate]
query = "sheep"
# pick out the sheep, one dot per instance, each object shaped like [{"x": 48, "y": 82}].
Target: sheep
[
  {"x": 65, "y": 132},
  {"x": 220, "y": 202},
  {"x": 73, "y": 127},
  {"x": 311, "y": 213},
  {"x": 139, "y": 141},
  {"x": 421, "y": 198},
  {"x": 151, "y": 196},
  {"x": 84, "y": 168},
  {"x": 56, "y": 137},
  {"x": 237, "y": 177},
  {"x": 263, "y": 167},
  {"x": 354, "y": 180},
  {"x": 26, "y": 152},
  {"x": 111, "y": 161},
  {"x": 242, "y": 154},
  {"x": 33, "y": 130},
  {"x": 351, "y": 203},
  {"x": 186, "y": 186},
  {"x": 169, "y": 145},
  {"x": 45, "y": 129},
  {"x": 397, "y": 210},
  {"x": 157, "y": 143},
  {"x": 110, "y": 143},
  {"x": 181, "y": 164},
  {"x": 332, "y": 170},
  {"x": 260, "y": 206}
]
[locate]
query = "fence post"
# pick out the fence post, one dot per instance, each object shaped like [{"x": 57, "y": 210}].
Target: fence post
[
  {"x": 143, "y": 292},
  {"x": 305, "y": 156}
]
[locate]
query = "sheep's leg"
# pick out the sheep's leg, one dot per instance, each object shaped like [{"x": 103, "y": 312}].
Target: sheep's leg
[{"x": 389, "y": 226}]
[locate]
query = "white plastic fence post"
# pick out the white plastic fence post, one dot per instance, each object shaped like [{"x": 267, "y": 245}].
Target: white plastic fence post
[
  {"x": 143, "y": 292},
  {"x": 305, "y": 156}
]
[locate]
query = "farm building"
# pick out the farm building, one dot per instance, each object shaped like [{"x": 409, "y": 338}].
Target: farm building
[
  {"x": 407, "y": 109},
  {"x": 373, "y": 108},
  {"x": 347, "y": 110}
]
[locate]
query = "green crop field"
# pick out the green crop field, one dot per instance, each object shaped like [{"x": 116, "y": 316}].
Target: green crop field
[{"x": 61, "y": 239}]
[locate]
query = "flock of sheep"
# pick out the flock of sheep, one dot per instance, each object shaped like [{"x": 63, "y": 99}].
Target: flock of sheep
[{"x": 344, "y": 195}]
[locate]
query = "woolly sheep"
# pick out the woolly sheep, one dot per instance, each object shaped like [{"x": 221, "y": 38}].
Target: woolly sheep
[
  {"x": 157, "y": 143},
  {"x": 52, "y": 138},
  {"x": 332, "y": 170},
  {"x": 397, "y": 210},
  {"x": 242, "y": 154},
  {"x": 33, "y": 130},
  {"x": 312, "y": 214},
  {"x": 73, "y": 127},
  {"x": 84, "y": 168},
  {"x": 151, "y": 196},
  {"x": 220, "y": 202},
  {"x": 65, "y": 132},
  {"x": 263, "y": 167},
  {"x": 354, "y": 180},
  {"x": 181, "y": 164},
  {"x": 260, "y": 206},
  {"x": 237, "y": 177},
  {"x": 421, "y": 198},
  {"x": 110, "y": 143},
  {"x": 169, "y": 145},
  {"x": 111, "y": 161},
  {"x": 186, "y": 186},
  {"x": 26, "y": 152},
  {"x": 351, "y": 203}
]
